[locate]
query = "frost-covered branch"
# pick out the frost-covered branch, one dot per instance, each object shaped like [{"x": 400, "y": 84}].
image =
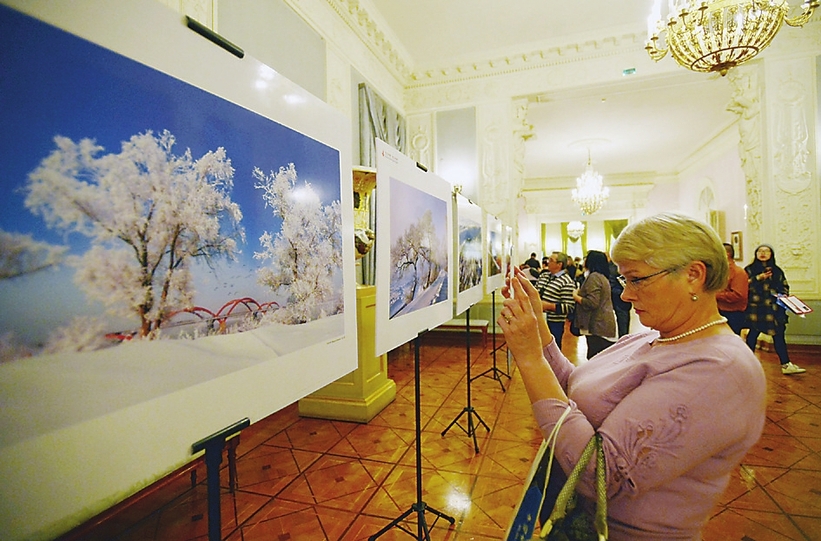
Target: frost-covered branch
[
  {"x": 305, "y": 256},
  {"x": 147, "y": 211},
  {"x": 20, "y": 254}
]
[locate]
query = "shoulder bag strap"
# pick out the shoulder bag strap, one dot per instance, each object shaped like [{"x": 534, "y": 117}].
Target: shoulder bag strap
[{"x": 560, "y": 510}]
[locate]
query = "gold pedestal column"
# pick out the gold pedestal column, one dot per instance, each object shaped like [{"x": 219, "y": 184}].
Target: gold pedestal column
[{"x": 363, "y": 393}]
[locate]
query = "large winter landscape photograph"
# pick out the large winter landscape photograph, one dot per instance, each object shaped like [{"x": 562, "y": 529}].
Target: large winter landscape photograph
[
  {"x": 419, "y": 249},
  {"x": 137, "y": 207}
]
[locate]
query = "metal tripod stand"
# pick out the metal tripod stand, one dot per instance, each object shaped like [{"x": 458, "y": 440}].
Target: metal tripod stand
[{"x": 420, "y": 507}]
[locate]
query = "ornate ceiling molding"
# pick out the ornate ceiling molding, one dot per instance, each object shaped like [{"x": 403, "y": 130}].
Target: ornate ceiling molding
[
  {"x": 364, "y": 20},
  {"x": 534, "y": 59},
  {"x": 375, "y": 34}
]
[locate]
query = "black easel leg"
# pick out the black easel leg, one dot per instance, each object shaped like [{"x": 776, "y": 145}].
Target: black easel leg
[
  {"x": 419, "y": 507},
  {"x": 494, "y": 372},
  {"x": 471, "y": 429},
  {"x": 213, "y": 458}
]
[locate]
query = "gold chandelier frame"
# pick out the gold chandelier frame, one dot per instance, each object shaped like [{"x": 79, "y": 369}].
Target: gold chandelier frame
[{"x": 717, "y": 35}]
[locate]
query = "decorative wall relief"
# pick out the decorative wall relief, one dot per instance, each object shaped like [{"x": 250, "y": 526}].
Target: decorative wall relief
[
  {"x": 791, "y": 150},
  {"x": 420, "y": 138},
  {"x": 791, "y": 200},
  {"x": 493, "y": 128},
  {"x": 746, "y": 103}
]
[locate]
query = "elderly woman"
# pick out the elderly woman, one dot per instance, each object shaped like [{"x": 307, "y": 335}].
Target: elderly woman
[{"x": 678, "y": 406}]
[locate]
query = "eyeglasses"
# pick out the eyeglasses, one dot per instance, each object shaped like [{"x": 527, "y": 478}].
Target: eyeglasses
[{"x": 637, "y": 283}]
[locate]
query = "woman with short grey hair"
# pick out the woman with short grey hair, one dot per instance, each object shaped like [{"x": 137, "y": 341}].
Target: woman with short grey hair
[{"x": 677, "y": 406}]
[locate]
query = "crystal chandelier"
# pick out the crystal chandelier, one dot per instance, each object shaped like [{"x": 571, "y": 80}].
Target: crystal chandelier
[
  {"x": 716, "y": 35},
  {"x": 575, "y": 229},
  {"x": 589, "y": 193}
]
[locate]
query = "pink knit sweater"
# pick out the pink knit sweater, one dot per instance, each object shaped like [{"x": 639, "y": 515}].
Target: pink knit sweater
[{"x": 676, "y": 420}]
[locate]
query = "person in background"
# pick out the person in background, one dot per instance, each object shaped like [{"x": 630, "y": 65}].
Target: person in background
[
  {"x": 572, "y": 268},
  {"x": 545, "y": 264},
  {"x": 732, "y": 300},
  {"x": 764, "y": 315},
  {"x": 532, "y": 267},
  {"x": 620, "y": 306},
  {"x": 556, "y": 288},
  {"x": 594, "y": 315},
  {"x": 581, "y": 271},
  {"x": 677, "y": 405}
]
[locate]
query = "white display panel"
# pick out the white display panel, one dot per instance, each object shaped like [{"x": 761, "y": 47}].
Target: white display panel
[
  {"x": 468, "y": 252},
  {"x": 414, "y": 248},
  {"x": 80, "y": 431},
  {"x": 494, "y": 253}
]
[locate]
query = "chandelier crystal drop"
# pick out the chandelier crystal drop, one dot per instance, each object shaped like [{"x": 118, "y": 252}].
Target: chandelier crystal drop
[
  {"x": 716, "y": 35},
  {"x": 590, "y": 194}
]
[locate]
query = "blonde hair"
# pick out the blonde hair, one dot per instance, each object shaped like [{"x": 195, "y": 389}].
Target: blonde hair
[{"x": 672, "y": 241}]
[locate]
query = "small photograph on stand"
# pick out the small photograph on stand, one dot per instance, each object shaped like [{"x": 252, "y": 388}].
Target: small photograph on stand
[
  {"x": 419, "y": 252},
  {"x": 494, "y": 253},
  {"x": 469, "y": 251},
  {"x": 415, "y": 235}
]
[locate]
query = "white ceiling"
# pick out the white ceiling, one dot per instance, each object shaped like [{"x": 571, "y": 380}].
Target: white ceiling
[{"x": 636, "y": 126}]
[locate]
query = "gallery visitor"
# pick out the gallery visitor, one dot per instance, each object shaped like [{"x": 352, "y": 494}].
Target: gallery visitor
[{"x": 678, "y": 405}]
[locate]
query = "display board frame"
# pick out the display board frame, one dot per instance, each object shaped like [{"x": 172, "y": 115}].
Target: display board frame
[
  {"x": 414, "y": 216},
  {"x": 96, "y": 429},
  {"x": 468, "y": 252},
  {"x": 494, "y": 253}
]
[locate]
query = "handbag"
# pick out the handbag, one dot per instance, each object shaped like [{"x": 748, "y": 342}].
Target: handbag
[
  {"x": 574, "y": 328},
  {"x": 567, "y": 521}
]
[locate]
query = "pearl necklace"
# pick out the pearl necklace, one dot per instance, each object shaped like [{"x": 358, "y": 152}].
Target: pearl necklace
[{"x": 693, "y": 331}]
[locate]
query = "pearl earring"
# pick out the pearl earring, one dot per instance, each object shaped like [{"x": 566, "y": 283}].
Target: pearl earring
[{"x": 693, "y": 297}]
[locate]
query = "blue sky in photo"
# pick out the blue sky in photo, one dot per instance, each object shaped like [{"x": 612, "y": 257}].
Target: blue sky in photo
[
  {"x": 53, "y": 83},
  {"x": 408, "y": 204}
]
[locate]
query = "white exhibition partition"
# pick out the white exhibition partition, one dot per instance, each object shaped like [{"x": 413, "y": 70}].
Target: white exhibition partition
[
  {"x": 414, "y": 236},
  {"x": 80, "y": 432},
  {"x": 469, "y": 252}
]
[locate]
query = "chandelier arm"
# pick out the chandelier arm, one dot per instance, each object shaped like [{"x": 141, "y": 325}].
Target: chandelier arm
[
  {"x": 653, "y": 49},
  {"x": 804, "y": 17}
]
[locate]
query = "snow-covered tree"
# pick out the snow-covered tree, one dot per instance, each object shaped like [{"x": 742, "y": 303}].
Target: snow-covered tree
[
  {"x": 147, "y": 212},
  {"x": 20, "y": 254},
  {"x": 418, "y": 251},
  {"x": 82, "y": 334},
  {"x": 407, "y": 256},
  {"x": 306, "y": 254}
]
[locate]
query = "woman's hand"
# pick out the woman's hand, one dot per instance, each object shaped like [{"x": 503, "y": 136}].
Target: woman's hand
[
  {"x": 519, "y": 319},
  {"x": 525, "y": 331}
]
